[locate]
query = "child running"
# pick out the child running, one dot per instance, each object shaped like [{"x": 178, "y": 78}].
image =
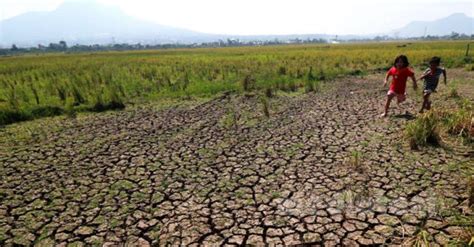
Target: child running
[
  {"x": 431, "y": 79},
  {"x": 400, "y": 73}
]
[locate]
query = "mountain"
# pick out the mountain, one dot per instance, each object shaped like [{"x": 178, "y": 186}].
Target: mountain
[
  {"x": 459, "y": 23},
  {"x": 88, "y": 23}
]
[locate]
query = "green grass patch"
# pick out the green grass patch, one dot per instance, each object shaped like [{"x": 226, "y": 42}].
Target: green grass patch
[{"x": 430, "y": 127}]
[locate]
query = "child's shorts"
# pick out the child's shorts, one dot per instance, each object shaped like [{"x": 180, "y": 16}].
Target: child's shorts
[
  {"x": 429, "y": 88},
  {"x": 400, "y": 97},
  {"x": 428, "y": 91}
]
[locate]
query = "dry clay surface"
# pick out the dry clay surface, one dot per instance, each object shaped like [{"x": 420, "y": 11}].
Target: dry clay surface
[{"x": 324, "y": 169}]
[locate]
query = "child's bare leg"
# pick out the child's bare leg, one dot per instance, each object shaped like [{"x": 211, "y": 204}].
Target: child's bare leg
[
  {"x": 428, "y": 102},
  {"x": 425, "y": 102},
  {"x": 401, "y": 106},
  {"x": 387, "y": 105},
  {"x": 422, "y": 107}
]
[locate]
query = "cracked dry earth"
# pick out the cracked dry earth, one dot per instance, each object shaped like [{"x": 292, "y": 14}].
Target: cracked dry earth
[{"x": 220, "y": 173}]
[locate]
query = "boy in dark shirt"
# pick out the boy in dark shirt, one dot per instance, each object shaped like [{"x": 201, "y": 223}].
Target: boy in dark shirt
[{"x": 431, "y": 79}]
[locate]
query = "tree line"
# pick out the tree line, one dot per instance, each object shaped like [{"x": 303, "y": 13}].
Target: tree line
[{"x": 62, "y": 46}]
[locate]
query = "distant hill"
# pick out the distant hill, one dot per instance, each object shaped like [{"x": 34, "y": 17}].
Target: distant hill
[
  {"x": 459, "y": 23},
  {"x": 90, "y": 22},
  {"x": 87, "y": 23}
]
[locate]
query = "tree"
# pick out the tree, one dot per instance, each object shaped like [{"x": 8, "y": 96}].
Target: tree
[
  {"x": 63, "y": 44},
  {"x": 454, "y": 35},
  {"x": 53, "y": 46},
  {"x": 14, "y": 48}
]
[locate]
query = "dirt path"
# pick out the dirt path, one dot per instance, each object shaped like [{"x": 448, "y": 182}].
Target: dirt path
[{"x": 323, "y": 169}]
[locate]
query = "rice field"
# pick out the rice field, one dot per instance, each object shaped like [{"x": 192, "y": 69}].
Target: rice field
[{"x": 54, "y": 84}]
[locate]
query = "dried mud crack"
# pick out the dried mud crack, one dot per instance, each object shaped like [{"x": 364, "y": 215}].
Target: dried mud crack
[{"x": 220, "y": 173}]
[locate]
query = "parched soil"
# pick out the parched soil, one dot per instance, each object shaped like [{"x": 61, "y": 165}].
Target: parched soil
[{"x": 323, "y": 169}]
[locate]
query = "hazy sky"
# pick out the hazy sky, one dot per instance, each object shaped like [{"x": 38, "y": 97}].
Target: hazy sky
[{"x": 271, "y": 16}]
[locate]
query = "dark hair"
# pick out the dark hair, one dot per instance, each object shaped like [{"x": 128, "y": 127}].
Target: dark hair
[
  {"x": 404, "y": 60},
  {"x": 435, "y": 60}
]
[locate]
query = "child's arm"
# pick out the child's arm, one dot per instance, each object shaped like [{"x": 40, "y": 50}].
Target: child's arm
[
  {"x": 386, "y": 79},
  {"x": 426, "y": 73},
  {"x": 444, "y": 76},
  {"x": 422, "y": 77},
  {"x": 415, "y": 86}
]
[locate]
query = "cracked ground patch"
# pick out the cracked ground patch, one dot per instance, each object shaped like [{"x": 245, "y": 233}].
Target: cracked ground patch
[{"x": 323, "y": 169}]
